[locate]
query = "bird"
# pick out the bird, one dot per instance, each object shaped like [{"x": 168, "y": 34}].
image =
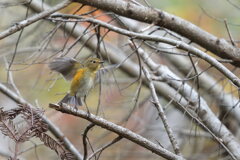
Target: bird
[{"x": 82, "y": 77}]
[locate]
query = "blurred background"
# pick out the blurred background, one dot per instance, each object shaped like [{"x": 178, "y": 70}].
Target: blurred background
[{"x": 119, "y": 98}]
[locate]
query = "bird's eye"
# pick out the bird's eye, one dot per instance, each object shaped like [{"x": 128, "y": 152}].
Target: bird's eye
[{"x": 93, "y": 61}]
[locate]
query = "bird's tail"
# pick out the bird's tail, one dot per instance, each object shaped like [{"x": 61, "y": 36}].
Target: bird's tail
[{"x": 71, "y": 100}]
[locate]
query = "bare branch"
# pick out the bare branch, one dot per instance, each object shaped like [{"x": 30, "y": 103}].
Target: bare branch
[
  {"x": 123, "y": 132},
  {"x": 11, "y": 78},
  {"x": 229, "y": 34}
]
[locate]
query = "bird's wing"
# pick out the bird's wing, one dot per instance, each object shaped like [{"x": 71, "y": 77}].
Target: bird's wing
[
  {"x": 105, "y": 71},
  {"x": 66, "y": 66}
]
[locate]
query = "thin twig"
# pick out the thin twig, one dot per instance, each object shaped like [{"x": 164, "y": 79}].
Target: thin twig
[
  {"x": 105, "y": 146},
  {"x": 229, "y": 33},
  {"x": 10, "y": 79},
  {"x": 85, "y": 140}
]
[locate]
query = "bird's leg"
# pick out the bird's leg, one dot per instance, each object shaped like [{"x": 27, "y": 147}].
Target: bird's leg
[
  {"x": 85, "y": 104},
  {"x": 76, "y": 106}
]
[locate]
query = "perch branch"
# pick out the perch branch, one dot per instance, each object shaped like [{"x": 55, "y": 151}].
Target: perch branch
[{"x": 123, "y": 132}]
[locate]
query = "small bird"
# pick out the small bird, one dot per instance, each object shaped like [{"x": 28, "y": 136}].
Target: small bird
[{"x": 82, "y": 76}]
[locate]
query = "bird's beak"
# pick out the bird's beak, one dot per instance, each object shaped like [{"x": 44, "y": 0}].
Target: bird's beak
[{"x": 101, "y": 62}]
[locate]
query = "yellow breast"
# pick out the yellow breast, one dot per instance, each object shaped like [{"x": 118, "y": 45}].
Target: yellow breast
[{"x": 77, "y": 79}]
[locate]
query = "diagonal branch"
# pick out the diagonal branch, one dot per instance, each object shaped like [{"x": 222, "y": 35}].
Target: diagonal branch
[{"x": 123, "y": 132}]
